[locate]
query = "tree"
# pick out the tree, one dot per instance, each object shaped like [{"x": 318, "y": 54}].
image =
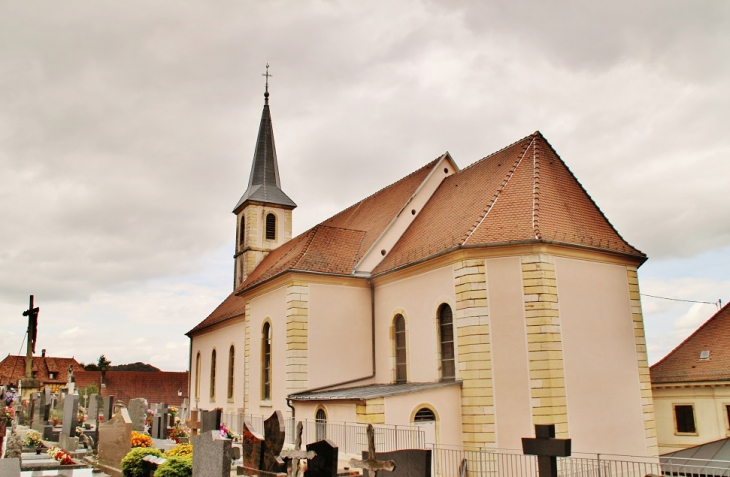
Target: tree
[{"x": 103, "y": 363}]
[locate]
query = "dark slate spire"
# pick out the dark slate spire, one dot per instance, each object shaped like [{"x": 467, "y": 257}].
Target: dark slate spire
[{"x": 263, "y": 184}]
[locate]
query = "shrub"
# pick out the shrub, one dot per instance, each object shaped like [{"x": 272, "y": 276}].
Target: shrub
[
  {"x": 180, "y": 450},
  {"x": 176, "y": 466},
  {"x": 134, "y": 466}
]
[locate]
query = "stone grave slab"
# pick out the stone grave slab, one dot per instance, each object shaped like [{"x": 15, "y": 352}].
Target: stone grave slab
[
  {"x": 69, "y": 444},
  {"x": 210, "y": 420},
  {"x": 115, "y": 441},
  {"x": 93, "y": 408},
  {"x": 137, "y": 408},
  {"x": 251, "y": 447},
  {"x": 324, "y": 463},
  {"x": 212, "y": 455},
  {"x": 10, "y": 467},
  {"x": 70, "y": 415},
  {"x": 275, "y": 434},
  {"x": 408, "y": 462}
]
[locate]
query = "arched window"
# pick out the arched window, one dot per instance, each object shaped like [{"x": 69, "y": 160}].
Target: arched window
[
  {"x": 212, "y": 375},
  {"x": 270, "y": 226},
  {"x": 231, "y": 357},
  {"x": 400, "y": 349},
  {"x": 321, "y": 424},
  {"x": 424, "y": 415},
  {"x": 197, "y": 376},
  {"x": 446, "y": 334},
  {"x": 266, "y": 362},
  {"x": 242, "y": 231}
]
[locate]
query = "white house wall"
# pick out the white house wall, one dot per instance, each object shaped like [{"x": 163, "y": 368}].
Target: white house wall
[{"x": 445, "y": 402}]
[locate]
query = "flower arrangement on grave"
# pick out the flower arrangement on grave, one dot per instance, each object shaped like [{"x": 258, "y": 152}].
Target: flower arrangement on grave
[
  {"x": 227, "y": 433},
  {"x": 180, "y": 450},
  {"x": 32, "y": 438},
  {"x": 79, "y": 431},
  {"x": 148, "y": 417},
  {"x": 172, "y": 411},
  {"x": 60, "y": 455},
  {"x": 141, "y": 440},
  {"x": 134, "y": 466},
  {"x": 176, "y": 466},
  {"x": 7, "y": 414},
  {"x": 175, "y": 433}
]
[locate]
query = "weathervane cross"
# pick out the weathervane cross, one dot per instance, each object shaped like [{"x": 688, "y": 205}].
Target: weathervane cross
[{"x": 267, "y": 77}]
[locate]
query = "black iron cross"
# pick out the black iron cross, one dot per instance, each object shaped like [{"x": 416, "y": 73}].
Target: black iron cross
[
  {"x": 372, "y": 464},
  {"x": 293, "y": 456},
  {"x": 267, "y": 77},
  {"x": 32, "y": 314},
  {"x": 547, "y": 449}
]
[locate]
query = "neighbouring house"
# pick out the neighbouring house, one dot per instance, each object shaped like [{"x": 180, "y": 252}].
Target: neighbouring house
[
  {"x": 691, "y": 387},
  {"x": 170, "y": 387},
  {"x": 49, "y": 371},
  {"x": 474, "y": 303}
]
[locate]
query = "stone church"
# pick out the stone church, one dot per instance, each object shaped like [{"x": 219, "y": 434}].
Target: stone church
[{"x": 481, "y": 301}]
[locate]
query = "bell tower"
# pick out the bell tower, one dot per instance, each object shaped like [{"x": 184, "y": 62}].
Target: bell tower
[{"x": 264, "y": 212}]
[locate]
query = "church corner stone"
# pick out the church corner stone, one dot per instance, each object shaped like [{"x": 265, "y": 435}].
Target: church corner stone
[{"x": 297, "y": 336}]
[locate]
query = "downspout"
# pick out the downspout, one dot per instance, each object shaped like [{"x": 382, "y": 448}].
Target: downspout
[
  {"x": 190, "y": 373},
  {"x": 372, "y": 342}
]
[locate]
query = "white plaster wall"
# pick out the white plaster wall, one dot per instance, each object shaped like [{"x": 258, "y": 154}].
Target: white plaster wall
[
  {"x": 340, "y": 340},
  {"x": 599, "y": 352},
  {"x": 336, "y": 411},
  {"x": 445, "y": 401},
  {"x": 221, "y": 339},
  {"x": 271, "y": 306},
  {"x": 419, "y": 298},
  {"x": 711, "y": 420},
  {"x": 510, "y": 365}
]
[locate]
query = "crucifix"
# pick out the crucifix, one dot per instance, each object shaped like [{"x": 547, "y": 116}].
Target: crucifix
[
  {"x": 547, "y": 449},
  {"x": 294, "y": 456},
  {"x": 372, "y": 464},
  {"x": 32, "y": 314}
]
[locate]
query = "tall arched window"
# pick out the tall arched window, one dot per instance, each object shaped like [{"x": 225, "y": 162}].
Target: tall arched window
[
  {"x": 266, "y": 362},
  {"x": 321, "y": 424},
  {"x": 400, "y": 349},
  {"x": 270, "y": 226},
  {"x": 197, "y": 376},
  {"x": 231, "y": 357},
  {"x": 212, "y": 375},
  {"x": 446, "y": 332},
  {"x": 242, "y": 231}
]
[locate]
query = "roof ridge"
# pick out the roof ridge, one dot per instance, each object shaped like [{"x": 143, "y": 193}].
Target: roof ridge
[
  {"x": 499, "y": 190},
  {"x": 536, "y": 190},
  {"x": 497, "y": 152}
]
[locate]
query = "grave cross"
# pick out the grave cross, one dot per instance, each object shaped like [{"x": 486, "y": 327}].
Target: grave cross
[
  {"x": 372, "y": 464},
  {"x": 193, "y": 423},
  {"x": 293, "y": 456},
  {"x": 547, "y": 449},
  {"x": 32, "y": 314}
]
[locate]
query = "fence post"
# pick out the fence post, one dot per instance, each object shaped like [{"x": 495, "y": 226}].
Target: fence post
[{"x": 598, "y": 459}]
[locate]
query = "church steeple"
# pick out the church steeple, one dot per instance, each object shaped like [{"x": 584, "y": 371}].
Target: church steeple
[{"x": 264, "y": 212}]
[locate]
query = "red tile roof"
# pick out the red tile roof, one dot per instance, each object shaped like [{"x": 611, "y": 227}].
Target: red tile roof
[
  {"x": 683, "y": 363},
  {"x": 156, "y": 386},
  {"x": 12, "y": 368}
]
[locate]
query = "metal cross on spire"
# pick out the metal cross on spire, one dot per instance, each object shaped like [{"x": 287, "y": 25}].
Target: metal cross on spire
[{"x": 266, "y": 94}]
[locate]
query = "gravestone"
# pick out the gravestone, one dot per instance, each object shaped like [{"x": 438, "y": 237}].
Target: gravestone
[
  {"x": 193, "y": 423},
  {"x": 371, "y": 463},
  {"x": 324, "y": 463},
  {"x": 137, "y": 412},
  {"x": 275, "y": 434},
  {"x": 547, "y": 449},
  {"x": 251, "y": 447},
  {"x": 67, "y": 440},
  {"x": 408, "y": 462},
  {"x": 212, "y": 455},
  {"x": 93, "y": 408},
  {"x": 159, "y": 422},
  {"x": 115, "y": 441},
  {"x": 210, "y": 420},
  {"x": 293, "y": 457},
  {"x": 41, "y": 413},
  {"x": 185, "y": 410},
  {"x": 107, "y": 408},
  {"x": 9, "y": 467}
]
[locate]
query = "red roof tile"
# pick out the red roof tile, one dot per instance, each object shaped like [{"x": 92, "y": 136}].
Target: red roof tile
[
  {"x": 683, "y": 363},
  {"x": 12, "y": 368}
]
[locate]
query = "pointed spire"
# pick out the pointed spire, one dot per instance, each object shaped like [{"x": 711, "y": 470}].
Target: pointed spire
[{"x": 263, "y": 183}]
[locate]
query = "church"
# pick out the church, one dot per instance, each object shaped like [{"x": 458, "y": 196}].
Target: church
[{"x": 476, "y": 302}]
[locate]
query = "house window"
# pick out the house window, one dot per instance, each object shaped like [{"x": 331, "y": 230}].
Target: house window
[
  {"x": 51, "y": 375},
  {"x": 197, "y": 376},
  {"x": 424, "y": 415},
  {"x": 266, "y": 362},
  {"x": 400, "y": 350},
  {"x": 684, "y": 416},
  {"x": 270, "y": 226},
  {"x": 242, "y": 231},
  {"x": 321, "y": 424},
  {"x": 231, "y": 357},
  {"x": 727, "y": 411},
  {"x": 212, "y": 375},
  {"x": 446, "y": 332}
]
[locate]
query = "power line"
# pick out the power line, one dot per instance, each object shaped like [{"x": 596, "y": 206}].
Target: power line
[
  {"x": 716, "y": 303},
  {"x": 21, "y": 349}
]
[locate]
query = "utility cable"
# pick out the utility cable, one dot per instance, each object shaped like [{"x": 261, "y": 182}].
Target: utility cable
[{"x": 716, "y": 303}]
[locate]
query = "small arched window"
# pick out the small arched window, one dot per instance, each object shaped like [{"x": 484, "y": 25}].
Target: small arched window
[
  {"x": 242, "y": 231},
  {"x": 321, "y": 424},
  {"x": 400, "y": 350},
  {"x": 446, "y": 334},
  {"x": 212, "y": 375},
  {"x": 266, "y": 362},
  {"x": 231, "y": 357},
  {"x": 424, "y": 415},
  {"x": 197, "y": 376},
  {"x": 270, "y": 226}
]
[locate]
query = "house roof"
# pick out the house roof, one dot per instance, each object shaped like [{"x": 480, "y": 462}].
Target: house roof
[
  {"x": 710, "y": 459},
  {"x": 12, "y": 368},
  {"x": 683, "y": 363},
  {"x": 520, "y": 194},
  {"x": 369, "y": 391},
  {"x": 155, "y": 386}
]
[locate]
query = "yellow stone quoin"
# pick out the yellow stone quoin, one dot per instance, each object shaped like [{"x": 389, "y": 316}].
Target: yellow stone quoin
[{"x": 297, "y": 336}]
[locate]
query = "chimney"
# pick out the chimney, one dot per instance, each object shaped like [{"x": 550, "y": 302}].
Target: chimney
[{"x": 43, "y": 353}]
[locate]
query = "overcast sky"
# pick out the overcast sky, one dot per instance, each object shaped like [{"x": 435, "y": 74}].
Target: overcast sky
[{"x": 127, "y": 131}]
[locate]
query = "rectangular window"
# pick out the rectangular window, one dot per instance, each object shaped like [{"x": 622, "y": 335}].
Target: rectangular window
[
  {"x": 727, "y": 411},
  {"x": 684, "y": 416}
]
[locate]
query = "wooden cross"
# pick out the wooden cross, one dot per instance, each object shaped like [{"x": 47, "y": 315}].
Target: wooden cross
[
  {"x": 372, "y": 464},
  {"x": 547, "y": 449},
  {"x": 193, "y": 423},
  {"x": 32, "y": 314},
  {"x": 293, "y": 456}
]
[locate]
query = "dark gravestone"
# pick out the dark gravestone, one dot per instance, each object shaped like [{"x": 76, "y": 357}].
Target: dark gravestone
[
  {"x": 159, "y": 422},
  {"x": 409, "y": 462},
  {"x": 70, "y": 415},
  {"x": 212, "y": 455},
  {"x": 547, "y": 449},
  {"x": 275, "y": 434},
  {"x": 324, "y": 463},
  {"x": 93, "y": 408},
  {"x": 371, "y": 463},
  {"x": 251, "y": 448},
  {"x": 107, "y": 408},
  {"x": 210, "y": 420}
]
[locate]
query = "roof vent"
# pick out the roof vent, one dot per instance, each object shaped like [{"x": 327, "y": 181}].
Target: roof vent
[{"x": 705, "y": 355}]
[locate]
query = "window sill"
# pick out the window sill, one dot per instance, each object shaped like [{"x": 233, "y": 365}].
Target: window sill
[
  {"x": 266, "y": 403},
  {"x": 676, "y": 433}
]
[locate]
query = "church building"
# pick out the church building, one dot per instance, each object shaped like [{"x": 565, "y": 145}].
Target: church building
[{"x": 481, "y": 301}]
